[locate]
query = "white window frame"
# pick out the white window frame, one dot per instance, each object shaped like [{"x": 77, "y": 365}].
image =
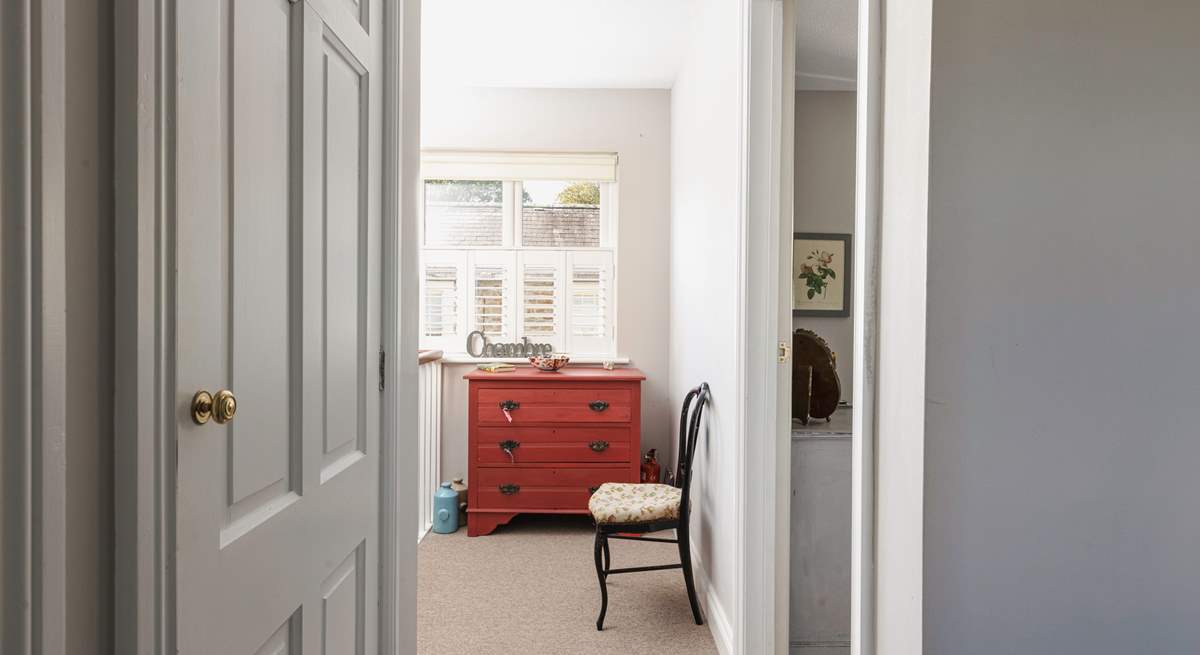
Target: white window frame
[{"x": 512, "y": 169}]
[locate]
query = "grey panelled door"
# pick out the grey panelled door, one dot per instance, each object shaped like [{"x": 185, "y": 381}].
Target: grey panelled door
[{"x": 277, "y": 288}]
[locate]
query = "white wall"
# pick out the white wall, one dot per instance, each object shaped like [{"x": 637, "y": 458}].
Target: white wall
[
  {"x": 824, "y": 199},
  {"x": 636, "y": 125},
  {"x": 706, "y": 158},
  {"x": 1063, "y": 307}
]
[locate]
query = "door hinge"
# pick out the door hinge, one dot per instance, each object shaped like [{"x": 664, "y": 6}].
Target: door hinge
[
  {"x": 785, "y": 351},
  {"x": 382, "y": 362}
]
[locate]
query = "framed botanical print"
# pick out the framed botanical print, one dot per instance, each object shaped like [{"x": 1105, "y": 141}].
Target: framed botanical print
[{"x": 821, "y": 275}]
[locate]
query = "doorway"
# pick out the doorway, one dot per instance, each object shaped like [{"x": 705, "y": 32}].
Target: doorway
[
  {"x": 822, "y": 283},
  {"x": 813, "y": 66},
  {"x": 546, "y": 217},
  {"x": 888, "y": 310}
]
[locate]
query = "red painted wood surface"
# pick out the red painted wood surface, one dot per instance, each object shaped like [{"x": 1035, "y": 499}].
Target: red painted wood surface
[
  {"x": 533, "y": 452},
  {"x": 531, "y": 374},
  {"x": 550, "y": 476},
  {"x": 567, "y": 396},
  {"x": 550, "y": 434},
  {"x": 542, "y": 487},
  {"x": 532, "y": 414},
  {"x": 554, "y": 467}
]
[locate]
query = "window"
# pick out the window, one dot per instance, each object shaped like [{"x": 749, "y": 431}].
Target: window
[
  {"x": 519, "y": 246},
  {"x": 560, "y": 214},
  {"x": 464, "y": 213}
]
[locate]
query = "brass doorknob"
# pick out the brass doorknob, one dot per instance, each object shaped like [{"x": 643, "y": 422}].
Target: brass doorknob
[
  {"x": 202, "y": 407},
  {"x": 224, "y": 406}
]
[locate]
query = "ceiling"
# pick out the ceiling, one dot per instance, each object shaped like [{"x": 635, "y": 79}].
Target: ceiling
[
  {"x": 826, "y": 44},
  {"x": 554, "y": 43},
  {"x": 606, "y": 43}
]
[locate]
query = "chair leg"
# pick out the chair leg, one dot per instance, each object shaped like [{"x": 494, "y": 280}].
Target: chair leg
[
  {"x": 607, "y": 555},
  {"x": 685, "y": 558},
  {"x": 600, "y": 550}
]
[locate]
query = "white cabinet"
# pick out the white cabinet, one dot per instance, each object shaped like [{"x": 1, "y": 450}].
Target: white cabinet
[{"x": 820, "y": 537}]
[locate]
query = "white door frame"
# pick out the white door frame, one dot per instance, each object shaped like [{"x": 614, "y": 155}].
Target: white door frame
[
  {"x": 902, "y": 153},
  {"x": 863, "y": 600},
  {"x": 763, "y": 538},
  {"x": 33, "y": 585},
  {"x": 889, "y": 333},
  {"x": 145, "y": 410},
  {"x": 398, "y": 437}
]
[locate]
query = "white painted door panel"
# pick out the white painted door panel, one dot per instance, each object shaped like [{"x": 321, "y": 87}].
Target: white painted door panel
[{"x": 277, "y": 297}]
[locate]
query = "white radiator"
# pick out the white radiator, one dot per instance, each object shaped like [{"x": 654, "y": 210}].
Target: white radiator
[{"x": 429, "y": 436}]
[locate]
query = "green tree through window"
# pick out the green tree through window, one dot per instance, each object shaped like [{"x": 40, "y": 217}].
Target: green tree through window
[
  {"x": 580, "y": 193},
  {"x": 474, "y": 191}
]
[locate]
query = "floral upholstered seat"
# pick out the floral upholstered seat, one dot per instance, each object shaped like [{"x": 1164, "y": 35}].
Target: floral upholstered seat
[{"x": 619, "y": 503}]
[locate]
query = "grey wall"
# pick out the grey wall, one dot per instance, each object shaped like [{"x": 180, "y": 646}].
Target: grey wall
[
  {"x": 89, "y": 204},
  {"x": 824, "y": 200},
  {"x": 636, "y": 125},
  {"x": 1061, "y": 448}
]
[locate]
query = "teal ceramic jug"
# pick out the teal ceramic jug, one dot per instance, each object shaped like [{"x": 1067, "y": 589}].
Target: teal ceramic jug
[{"x": 445, "y": 509}]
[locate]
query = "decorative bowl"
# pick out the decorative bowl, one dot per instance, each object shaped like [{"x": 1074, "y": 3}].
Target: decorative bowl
[{"x": 550, "y": 363}]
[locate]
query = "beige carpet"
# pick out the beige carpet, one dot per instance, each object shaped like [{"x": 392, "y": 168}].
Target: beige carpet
[{"x": 530, "y": 587}]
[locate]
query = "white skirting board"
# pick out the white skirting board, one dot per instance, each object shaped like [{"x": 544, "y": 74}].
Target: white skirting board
[{"x": 714, "y": 613}]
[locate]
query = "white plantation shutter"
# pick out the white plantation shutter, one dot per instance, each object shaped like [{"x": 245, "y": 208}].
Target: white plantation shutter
[
  {"x": 441, "y": 300},
  {"x": 443, "y": 294},
  {"x": 541, "y": 297},
  {"x": 539, "y": 309},
  {"x": 492, "y": 294},
  {"x": 490, "y": 299},
  {"x": 589, "y": 303}
]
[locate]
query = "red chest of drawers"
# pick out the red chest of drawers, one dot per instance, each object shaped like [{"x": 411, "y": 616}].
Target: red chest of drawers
[{"x": 542, "y": 442}]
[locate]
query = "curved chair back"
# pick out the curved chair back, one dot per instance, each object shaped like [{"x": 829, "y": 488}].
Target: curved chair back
[{"x": 689, "y": 430}]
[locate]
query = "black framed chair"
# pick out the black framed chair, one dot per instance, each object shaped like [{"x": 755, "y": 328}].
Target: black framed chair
[{"x": 630, "y": 511}]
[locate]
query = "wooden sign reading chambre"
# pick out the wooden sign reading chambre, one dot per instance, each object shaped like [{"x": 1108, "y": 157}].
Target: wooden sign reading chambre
[{"x": 479, "y": 346}]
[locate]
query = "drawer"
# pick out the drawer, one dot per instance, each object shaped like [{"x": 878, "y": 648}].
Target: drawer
[
  {"x": 543, "y": 405},
  {"x": 547, "y": 434},
  {"x": 544, "y": 445},
  {"x": 542, "y": 488}
]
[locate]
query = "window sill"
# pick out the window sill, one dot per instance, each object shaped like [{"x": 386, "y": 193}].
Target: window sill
[{"x": 460, "y": 358}]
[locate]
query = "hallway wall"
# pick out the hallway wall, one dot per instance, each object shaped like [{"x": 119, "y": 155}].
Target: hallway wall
[{"x": 1061, "y": 446}]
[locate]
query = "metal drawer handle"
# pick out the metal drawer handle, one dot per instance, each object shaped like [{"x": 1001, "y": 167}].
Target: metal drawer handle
[
  {"x": 507, "y": 407},
  {"x": 509, "y": 489},
  {"x": 598, "y": 446},
  {"x": 508, "y": 447},
  {"x": 598, "y": 405}
]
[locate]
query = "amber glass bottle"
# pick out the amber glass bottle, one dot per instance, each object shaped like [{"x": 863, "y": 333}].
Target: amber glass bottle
[{"x": 650, "y": 468}]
